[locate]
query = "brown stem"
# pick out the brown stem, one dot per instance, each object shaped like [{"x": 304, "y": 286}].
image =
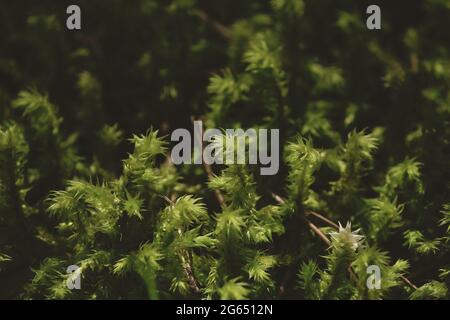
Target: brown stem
[
  {"x": 186, "y": 262},
  {"x": 222, "y": 30},
  {"x": 188, "y": 272},
  {"x": 406, "y": 280},
  {"x": 279, "y": 199},
  {"x": 318, "y": 232},
  {"x": 311, "y": 225},
  {"x": 210, "y": 174},
  {"x": 321, "y": 217},
  {"x": 217, "y": 193}
]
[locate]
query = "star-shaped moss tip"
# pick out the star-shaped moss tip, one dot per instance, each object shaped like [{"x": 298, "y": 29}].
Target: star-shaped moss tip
[{"x": 345, "y": 236}]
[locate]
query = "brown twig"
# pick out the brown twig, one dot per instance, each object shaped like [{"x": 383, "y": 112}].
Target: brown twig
[
  {"x": 222, "y": 30},
  {"x": 318, "y": 232},
  {"x": 317, "y": 215},
  {"x": 406, "y": 280},
  {"x": 278, "y": 199},
  {"x": 311, "y": 225},
  {"x": 321, "y": 217}
]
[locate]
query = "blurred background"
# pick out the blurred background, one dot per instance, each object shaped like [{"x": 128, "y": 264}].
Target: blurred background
[{"x": 147, "y": 63}]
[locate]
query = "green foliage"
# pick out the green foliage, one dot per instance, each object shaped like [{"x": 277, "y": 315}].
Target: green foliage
[
  {"x": 234, "y": 290},
  {"x": 364, "y": 148},
  {"x": 431, "y": 290}
]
